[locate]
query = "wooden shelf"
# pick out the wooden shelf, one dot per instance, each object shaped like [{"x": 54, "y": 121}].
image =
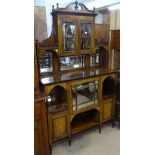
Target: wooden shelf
[
  {"x": 84, "y": 121},
  {"x": 108, "y": 96},
  {"x": 56, "y": 109},
  {"x": 83, "y": 125}
]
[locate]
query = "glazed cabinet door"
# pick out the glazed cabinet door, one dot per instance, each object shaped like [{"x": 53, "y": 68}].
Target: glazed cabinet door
[
  {"x": 86, "y": 34},
  {"x": 68, "y": 37},
  {"x": 85, "y": 37}
]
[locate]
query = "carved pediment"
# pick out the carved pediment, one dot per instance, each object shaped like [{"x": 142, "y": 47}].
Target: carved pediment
[{"x": 74, "y": 7}]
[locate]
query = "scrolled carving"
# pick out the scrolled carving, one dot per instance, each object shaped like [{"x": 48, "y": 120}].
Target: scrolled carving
[{"x": 75, "y": 7}]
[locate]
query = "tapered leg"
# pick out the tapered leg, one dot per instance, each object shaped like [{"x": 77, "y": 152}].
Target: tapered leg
[
  {"x": 113, "y": 123},
  {"x": 50, "y": 149},
  {"x": 69, "y": 141},
  {"x": 100, "y": 128}
]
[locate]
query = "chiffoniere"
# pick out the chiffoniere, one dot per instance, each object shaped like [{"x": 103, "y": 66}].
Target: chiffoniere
[{"x": 74, "y": 76}]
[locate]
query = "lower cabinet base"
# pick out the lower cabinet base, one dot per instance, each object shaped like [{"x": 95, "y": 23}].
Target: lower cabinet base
[{"x": 60, "y": 126}]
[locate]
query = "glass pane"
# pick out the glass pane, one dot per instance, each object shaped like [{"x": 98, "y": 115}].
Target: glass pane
[
  {"x": 84, "y": 94},
  {"x": 69, "y": 36},
  {"x": 71, "y": 62},
  {"x": 85, "y": 29}
]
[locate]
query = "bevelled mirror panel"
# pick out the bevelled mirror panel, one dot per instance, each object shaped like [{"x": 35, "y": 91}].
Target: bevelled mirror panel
[
  {"x": 71, "y": 62},
  {"x": 84, "y": 94}
]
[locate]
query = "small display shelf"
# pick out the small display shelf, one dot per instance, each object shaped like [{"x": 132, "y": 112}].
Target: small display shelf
[
  {"x": 84, "y": 94},
  {"x": 56, "y": 100},
  {"x": 45, "y": 63},
  {"x": 108, "y": 87},
  {"x": 84, "y": 121}
]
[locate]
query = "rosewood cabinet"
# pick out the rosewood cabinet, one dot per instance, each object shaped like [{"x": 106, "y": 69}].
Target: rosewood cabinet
[{"x": 79, "y": 87}]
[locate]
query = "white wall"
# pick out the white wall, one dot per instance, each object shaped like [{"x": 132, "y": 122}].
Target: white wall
[
  {"x": 115, "y": 19},
  {"x": 99, "y": 18},
  {"x": 63, "y": 3}
]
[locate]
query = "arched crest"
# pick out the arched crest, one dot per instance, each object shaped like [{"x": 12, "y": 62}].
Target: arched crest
[{"x": 74, "y": 8}]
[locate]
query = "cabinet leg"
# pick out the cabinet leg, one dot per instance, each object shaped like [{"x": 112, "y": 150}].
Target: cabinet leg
[
  {"x": 100, "y": 128},
  {"x": 69, "y": 141},
  {"x": 113, "y": 123},
  {"x": 50, "y": 149}
]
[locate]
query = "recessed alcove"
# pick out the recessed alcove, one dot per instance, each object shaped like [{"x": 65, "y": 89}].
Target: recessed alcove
[
  {"x": 108, "y": 88},
  {"x": 56, "y": 100},
  {"x": 84, "y": 120}
]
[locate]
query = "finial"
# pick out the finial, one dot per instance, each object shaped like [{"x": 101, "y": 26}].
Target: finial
[
  {"x": 94, "y": 9},
  {"x": 76, "y": 5},
  {"x": 52, "y": 7},
  {"x": 57, "y": 5}
]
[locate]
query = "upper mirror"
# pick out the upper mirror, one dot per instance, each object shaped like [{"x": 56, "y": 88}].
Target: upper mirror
[{"x": 71, "y": 62}]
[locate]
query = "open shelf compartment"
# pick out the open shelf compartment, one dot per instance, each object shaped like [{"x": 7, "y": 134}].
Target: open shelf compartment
[
  {"x": 108, "y": 87},
  {"x": 56, "y": 100},
  {"x": 84, "y": 121}
]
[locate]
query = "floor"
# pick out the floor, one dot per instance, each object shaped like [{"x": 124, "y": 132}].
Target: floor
[{"x": 90, "y": 142}]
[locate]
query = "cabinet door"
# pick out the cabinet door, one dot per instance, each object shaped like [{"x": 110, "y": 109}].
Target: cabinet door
[
  {"x": 68, "y": 36},
  {"x": 86, "y": 36},
  {"x": 107, "y": 111},
  {"x": 59, "y": 126}
]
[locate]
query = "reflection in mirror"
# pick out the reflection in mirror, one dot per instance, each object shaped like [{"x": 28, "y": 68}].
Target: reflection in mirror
[
  {"x": 69, "y": 36},
  {"x": 71, "y": 62},
  {"x": 84, "y": 94},
  {"x": 85, "y": 29},
  {"x": 94, "y": 60},
  {"x": 45, "y": 63}
]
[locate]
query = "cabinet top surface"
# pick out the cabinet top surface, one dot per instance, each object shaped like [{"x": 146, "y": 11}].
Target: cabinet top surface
[{"x": 64, "y": 77}]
